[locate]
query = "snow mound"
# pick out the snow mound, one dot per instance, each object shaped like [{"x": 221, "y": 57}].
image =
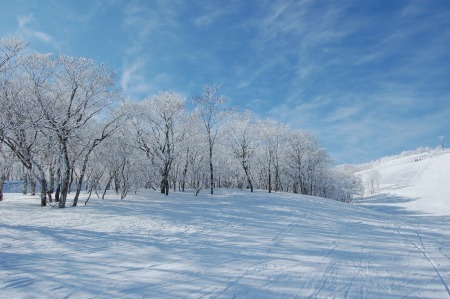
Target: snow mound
[{"x": 413, "y": 184}]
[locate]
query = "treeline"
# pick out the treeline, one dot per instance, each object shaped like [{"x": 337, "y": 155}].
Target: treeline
[{"x": 66, "y": 124}]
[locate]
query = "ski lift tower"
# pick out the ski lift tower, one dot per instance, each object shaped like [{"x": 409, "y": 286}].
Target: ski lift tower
[{"x": 442, "y": 141}]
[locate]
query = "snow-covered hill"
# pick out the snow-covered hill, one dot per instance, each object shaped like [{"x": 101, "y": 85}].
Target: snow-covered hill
[
  {"x": 417, "y": 183},
  {"x": 230, "y": 245}
]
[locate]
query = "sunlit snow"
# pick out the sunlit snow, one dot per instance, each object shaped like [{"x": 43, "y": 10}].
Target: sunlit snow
[
  {"x": 236, "y": 244},
  {"x": 417, "y": 184}
]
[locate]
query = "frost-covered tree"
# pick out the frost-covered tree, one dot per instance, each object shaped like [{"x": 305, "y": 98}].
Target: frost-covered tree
[
  {"x": 6, "y": 166},
  {"x": 299, "y": 146},
  {"x": 9, "y": 50},
  {"x": 95, "y": 173},
  {"x": 350, "y": 186},
  {"x": 156, "y": 124},
  {"x": 317, "y": 171},
  {"x": 99, "y": 132},
  {"x": 53, "y": 100},
  {"x": 373, "y": 180},
  {"x": 243, "y": 140},
  {"x": 191, "y": 153},
  {"x": 70, "y": 93},
  {"x": 272, "y": 135},
  {"x": 59, "y": 111},
  {"x": 213, "y": 115},
  {"x": 21, "y": 124},
  {"x": 17, "y": 124}
]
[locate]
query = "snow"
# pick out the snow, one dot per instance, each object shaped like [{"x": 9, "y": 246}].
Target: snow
[
  {"x": 415, "y": 184},
  {"x": 393, "y": 244},
  {"x": 232, "y": 244}
]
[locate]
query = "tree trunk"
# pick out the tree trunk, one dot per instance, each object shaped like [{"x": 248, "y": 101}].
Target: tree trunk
[
  {"x": 125, "y": 181},
  {"x": 165, "y": 179},
  {"x": 78, "y": 191},
  {"x": 90, "y": 193},
  {"x": 64, "y": 188},
  {"x": 51, "y": 188},
  {"x": 25, "y": 182},
  {"x": 58, "y": 186},
  {"x": 80, "y": 179},
  {"x": 57, "y": 192},
  {"x": 107, "y": 186},
  {"x": 65, "y": 175},
  {"x": 247, "y": 173},
  {"x": 250, "y": 183},
  {"x": 211, "y": 169},
  {"x": 43, "y": 182},
  {"x": 2, "y": 182},
  {"x": 33, "y": 185},
  {"x": 116, "y": 182},
  {"x": 71, "y": 178},
  {"x": 162, "y": 186},
  {"x": 167, "y": 186},
  {"x": 185, "y": 170},
  {"x": 278, "y": 184}
]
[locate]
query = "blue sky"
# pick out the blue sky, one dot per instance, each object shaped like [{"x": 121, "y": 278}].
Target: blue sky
[{"x": 367, "y": 78}]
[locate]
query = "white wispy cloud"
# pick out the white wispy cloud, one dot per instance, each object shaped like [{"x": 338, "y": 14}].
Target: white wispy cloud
[
  {"x": 352, "y": 93},
  {"x": 134, "y": 81},
  {"x": 81, "y": 16},
  {"x": 343, "y": 113},
  {"x": 129, "y": 74},
  {"x": 212, "y": 11},
  {"x": 25, "y": 29},
  {"x": 150, "y": 29},
  {"x": 208, "y": 18},
  {"x": 24, "y": 20},
  {"x": 366, "y": 124}
]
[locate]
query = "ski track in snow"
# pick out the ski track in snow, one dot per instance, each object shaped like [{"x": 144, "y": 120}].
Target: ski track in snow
[{"x": 230, "y": 245}]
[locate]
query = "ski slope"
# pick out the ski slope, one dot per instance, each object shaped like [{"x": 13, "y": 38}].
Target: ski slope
[
  {"x": 230, "y": 245},
  {"x": 413, "y": 184}
]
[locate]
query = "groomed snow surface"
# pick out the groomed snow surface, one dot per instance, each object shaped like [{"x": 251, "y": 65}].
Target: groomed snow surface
[
  {"x": 232, "y": 245},
  {"x": 415, "y": 184}
]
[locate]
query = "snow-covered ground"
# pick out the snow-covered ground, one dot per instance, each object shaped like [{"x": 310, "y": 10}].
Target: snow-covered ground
[
  {"x": 415, "y": 184},
  {"x": 230, "y": 245},
  {"x": 394, "y": 244}
]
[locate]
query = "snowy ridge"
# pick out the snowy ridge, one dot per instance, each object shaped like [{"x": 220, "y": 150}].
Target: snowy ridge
[
  {"x": 417, "y": 183},
  {"x": 230, "y": 245}
]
